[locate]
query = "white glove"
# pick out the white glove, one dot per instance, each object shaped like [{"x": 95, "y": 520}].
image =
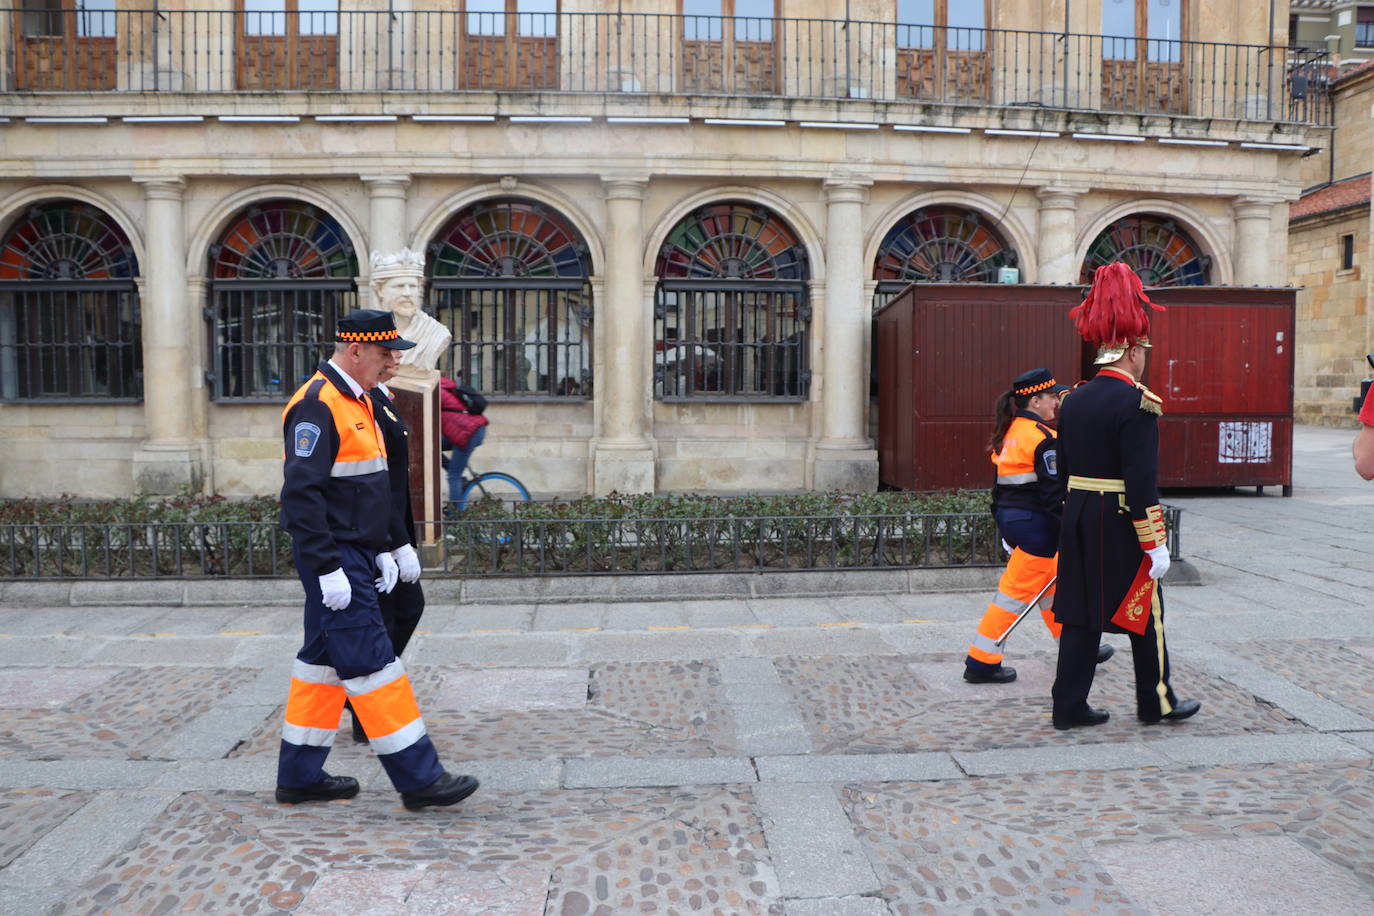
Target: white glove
[
  {"x": 1159, "y": 561},
  {"x": 387, "y": 566},
  {"x": 338, "y": 594},
  {"x": 408, "y": 561},
  {"x": 1005, "y": 546}
]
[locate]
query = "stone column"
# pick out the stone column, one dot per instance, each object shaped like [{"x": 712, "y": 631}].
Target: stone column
[
  {"x": 845, "y": 457},
  {"x": 1057, "y": 251},
  {"x": 386, "y": 231},
  {"x": 622, "y": 456},
  {"x": 1252, "y": 262},
  {"x": 169, "y": 459}
]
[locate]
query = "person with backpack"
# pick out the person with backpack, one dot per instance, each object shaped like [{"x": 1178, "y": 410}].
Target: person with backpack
[{"x": 463, "y": 426}]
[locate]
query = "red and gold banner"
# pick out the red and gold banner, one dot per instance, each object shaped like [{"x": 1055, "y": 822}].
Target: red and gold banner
[{"x": 1135, "y": 609}]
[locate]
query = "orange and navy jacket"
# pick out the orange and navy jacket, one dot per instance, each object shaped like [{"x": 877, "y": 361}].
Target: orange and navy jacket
[
  {"x": 335, "y": 484},
  {"x": 1028, "y": 468}
]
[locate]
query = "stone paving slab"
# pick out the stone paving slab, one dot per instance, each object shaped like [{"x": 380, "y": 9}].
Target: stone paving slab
[
  {"x": 848, "y": 768},
  {"x": 812, "y": 842},
  {"x": 1263, "y": 876},
  {"x": 627, "y": 772}
]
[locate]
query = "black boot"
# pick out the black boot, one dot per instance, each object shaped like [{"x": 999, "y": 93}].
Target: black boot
[
  {"x": 446, "y": 790},
  {"x": 1000, "y": 674},
  {"x": 1104, "y": 652},
  {"x": 327, "y": 789},
  {"x": 1088, "y": 716},
  {"x": 1183, "y": 710}
]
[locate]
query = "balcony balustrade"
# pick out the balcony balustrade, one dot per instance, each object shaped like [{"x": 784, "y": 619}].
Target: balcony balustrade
[{"x": 434, "y": 52}]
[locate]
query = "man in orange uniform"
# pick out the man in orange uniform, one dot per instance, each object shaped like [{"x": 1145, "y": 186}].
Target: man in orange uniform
[
  {"x": 336, "y": 504},
  {"x": 1026, "y": 502}
]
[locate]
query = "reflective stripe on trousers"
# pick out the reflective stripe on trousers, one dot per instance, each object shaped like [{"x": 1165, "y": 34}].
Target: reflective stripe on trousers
[
  {"x": 1024, "y": 577},
  {"x": 385, "y": 705}
]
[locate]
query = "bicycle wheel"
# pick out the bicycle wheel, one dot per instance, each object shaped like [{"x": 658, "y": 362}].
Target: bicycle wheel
[{"x": 496, "y": 485}]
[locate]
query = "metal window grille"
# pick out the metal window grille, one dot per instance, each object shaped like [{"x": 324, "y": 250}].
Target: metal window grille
[
  {"x": 518, "y": 338},
  {"x": 74, "y": 340},
  {"x": 731, "y": 340},
  {"x": 268, "y": 337},
  {"x": 508, "y": 277}
]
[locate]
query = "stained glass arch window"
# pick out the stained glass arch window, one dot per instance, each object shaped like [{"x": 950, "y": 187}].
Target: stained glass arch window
[
  {"x": 732, "y": 240},
  {"x": 509, "y": 277},
  {"x": 280, "y": 275},
  {"x": 66, "y": 240},
  {"x": 283, "y": 240},
  {"x": 732, "y": 311},
  {"x": 508, "y": 237},
  {"x": 70, "y": 327},
  {"x": 942, "y": 244},
  {"x": 1155, "y": 246}
]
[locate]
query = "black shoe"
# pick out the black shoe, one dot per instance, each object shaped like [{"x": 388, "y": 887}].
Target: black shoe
[
  {"x": 446, "y": 790},
  {"x": 1185, "y": 709},
  {"x": 1088, "y": 716},
  {"x": 999, "y": 675},
  {"x": 1104, "y": 652},
  {"x": 327, "y": 789}
]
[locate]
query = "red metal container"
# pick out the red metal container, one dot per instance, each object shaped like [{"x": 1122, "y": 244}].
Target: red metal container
[{"x": 1222, "y": 361}]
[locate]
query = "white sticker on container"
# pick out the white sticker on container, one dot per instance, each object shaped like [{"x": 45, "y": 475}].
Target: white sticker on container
[{"x": 1245, "y": 442}]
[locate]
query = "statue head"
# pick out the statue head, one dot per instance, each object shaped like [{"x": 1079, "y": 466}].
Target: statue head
[{"x": 396, "y": 281}]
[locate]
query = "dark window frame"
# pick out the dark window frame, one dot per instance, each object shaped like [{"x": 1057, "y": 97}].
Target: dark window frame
[{"x": 1348, "y": 251}]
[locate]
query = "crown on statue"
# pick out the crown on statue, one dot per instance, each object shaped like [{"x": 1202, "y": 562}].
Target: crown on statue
[{"x": 403, "y": 263}]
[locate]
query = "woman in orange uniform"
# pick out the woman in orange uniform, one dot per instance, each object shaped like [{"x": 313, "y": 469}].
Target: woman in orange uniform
[{"x": 1027, "y": 500}]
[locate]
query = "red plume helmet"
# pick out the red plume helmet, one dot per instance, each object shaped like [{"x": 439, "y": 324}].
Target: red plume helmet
[{"x": 1113, "y": 315}]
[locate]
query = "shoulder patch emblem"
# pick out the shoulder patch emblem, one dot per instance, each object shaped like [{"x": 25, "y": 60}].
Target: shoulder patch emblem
[
  {"x": 1051, "y": 460},
  {"x": 306, "y": 436},
  {"x": 1151, "y": 402}
]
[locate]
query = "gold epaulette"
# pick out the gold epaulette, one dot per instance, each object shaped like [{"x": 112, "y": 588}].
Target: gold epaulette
[{"x": 1150, "y": 402}]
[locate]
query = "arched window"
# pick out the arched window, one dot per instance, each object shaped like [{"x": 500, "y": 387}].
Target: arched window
[
  {"x": 69, "y": 318},
  {"x": 280, "y": 275},
  {"x": 508, "y": 277},
  {"x": 1155, "y": 246},
  {"x": 939, "y": 244},
  {"x": 732, "y": 314}
]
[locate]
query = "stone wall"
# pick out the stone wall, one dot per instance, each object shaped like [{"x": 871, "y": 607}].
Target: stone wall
[{"x": 1332, "y": 324}]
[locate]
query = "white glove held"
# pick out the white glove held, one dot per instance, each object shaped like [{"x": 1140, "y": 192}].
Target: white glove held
[
  {"x": 1159, "y": 561},
  {"x": 337, "y": 593},
  {"x": 387, "y": 566},
  {"x": 1005, "y": 546},
  {"x": 408, "y": 561}
]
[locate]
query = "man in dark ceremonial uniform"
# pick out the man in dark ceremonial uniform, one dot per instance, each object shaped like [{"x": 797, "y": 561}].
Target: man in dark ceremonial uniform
[{"x": 1113, "y": 525}]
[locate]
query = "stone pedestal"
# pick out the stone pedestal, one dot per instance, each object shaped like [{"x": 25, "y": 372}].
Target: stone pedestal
[
  {"x": 417, "y": 401},
  {"x": 168, "y": 468}
]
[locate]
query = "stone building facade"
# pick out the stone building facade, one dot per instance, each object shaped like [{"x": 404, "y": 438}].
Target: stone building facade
[
  {"x": 658, "y": 234},
  {"x": 1328, "y": 258}
]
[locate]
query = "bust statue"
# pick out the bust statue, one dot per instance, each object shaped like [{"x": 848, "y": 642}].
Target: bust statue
[{"x": 396, "y": 282}]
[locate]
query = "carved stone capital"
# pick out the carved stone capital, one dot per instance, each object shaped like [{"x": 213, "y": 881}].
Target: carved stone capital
[
  {"x": 625, "y": 188},
  {"x": 163, "y": 188}
]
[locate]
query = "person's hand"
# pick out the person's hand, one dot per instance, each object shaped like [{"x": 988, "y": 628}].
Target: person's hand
[
  {"x": 1159, "y": 561},
  {"x": 1005, "y": 546},
  {"x": 336, "y": 591},
  {"x": 389, "y": 572},
  {"x": 408, "y": 562}
]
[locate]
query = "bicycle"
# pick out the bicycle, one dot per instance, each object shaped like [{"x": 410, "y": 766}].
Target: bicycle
[{"x": 490, "y": 485}]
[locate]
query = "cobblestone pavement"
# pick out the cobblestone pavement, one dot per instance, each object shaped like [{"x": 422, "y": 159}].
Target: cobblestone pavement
[{"x": 803, "y": 756}]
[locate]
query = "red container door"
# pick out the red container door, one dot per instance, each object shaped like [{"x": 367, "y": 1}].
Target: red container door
[
  {"x": 1223, "y": 362},
  {"x": 955, "y": 348}
]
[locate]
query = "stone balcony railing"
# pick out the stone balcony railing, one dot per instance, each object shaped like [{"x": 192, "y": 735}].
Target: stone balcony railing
[{"x": 185, "y": 59}]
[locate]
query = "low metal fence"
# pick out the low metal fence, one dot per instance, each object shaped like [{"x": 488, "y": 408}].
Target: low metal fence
[
  {"x": 451, "y": 51},
  {"x": 529, "y": 547}
]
